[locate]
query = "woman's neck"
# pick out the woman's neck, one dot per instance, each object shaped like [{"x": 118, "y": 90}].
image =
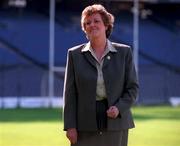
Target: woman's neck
[{"x": 98, "y": 45}]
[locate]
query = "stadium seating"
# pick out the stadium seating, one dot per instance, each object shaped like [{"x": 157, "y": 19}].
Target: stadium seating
[{"x": 27, "y": 36}]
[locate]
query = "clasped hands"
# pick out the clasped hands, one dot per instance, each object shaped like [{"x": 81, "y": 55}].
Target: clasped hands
[
  {"x": 72, "y": 134},
  {"x": 112, "y": 112}
]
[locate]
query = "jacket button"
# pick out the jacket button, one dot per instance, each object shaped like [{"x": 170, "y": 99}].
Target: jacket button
[{"x": 108, "y": 57}]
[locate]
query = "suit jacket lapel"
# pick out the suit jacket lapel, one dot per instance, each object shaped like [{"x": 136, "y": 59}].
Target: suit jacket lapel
[
  {"x": 107, "y": 59},
  {"x": 90, "y": 58}
]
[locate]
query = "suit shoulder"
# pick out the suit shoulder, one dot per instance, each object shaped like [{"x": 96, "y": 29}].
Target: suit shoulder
[
  {"x": 119, "y": 45},
  {"x": 76, "y": 48}
]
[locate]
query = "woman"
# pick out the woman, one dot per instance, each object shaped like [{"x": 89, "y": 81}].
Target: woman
[{"x": 100, "y": 85}]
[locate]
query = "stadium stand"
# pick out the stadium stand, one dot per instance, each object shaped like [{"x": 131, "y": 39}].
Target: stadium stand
[{"x": 24, "y": 43}]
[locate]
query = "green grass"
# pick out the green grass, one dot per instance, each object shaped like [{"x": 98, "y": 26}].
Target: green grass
[{"x": 155, "y": 126}]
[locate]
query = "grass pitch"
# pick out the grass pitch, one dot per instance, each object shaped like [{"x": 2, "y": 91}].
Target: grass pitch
[{"x": 155, "y": 126}]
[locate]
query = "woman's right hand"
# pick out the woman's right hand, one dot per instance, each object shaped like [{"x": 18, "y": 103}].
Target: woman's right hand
[
  {"x": 113, "y": 112},
  {"x": 72, "y": 135}
]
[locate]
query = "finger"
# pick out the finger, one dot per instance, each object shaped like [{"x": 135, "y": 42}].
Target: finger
[
  {"x": 72, "y": 135},
  {"x": 73, "y": 139},
  {"x": 111, "y": 115}
]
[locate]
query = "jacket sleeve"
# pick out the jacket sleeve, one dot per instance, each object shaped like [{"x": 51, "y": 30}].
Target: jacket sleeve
[
  {"x": 69, "y": 95},
  {"x": 130, "y": 85}
]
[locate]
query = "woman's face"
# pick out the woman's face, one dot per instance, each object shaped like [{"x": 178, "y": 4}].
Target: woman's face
[{"x": 94, "y": 26}]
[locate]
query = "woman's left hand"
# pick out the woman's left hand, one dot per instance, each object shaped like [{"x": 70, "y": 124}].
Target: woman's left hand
[{"x": 112, "y": 112}]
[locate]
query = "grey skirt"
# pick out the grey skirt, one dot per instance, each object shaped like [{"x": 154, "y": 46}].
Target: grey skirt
[{"x": 105, "y": 138}]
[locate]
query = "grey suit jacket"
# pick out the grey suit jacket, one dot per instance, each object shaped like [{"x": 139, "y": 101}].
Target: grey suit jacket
[{"x": 80, "y": 88}]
